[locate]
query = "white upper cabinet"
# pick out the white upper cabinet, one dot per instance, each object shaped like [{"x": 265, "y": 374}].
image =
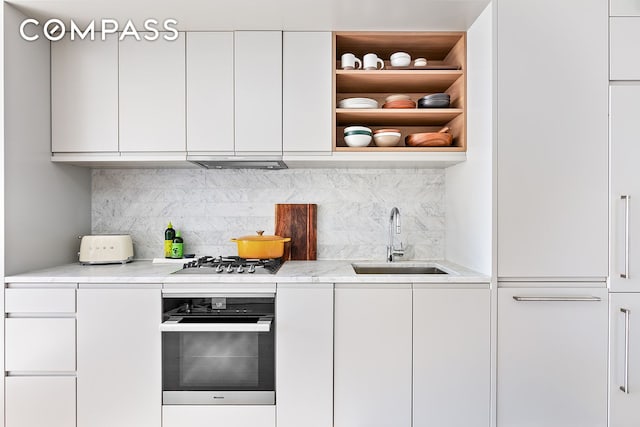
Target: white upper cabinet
[
  {"x": 552, "y": 137},
  {"x": 552, "y": 357},
  {"x": 210, "y": 92},
  {"x": 152, "y": 95},
  {"x": 625, "y": 188},
  {"x": 306, "y": 92},
  {"x": 258, "y": 92},
  {"x": 624, "y": 37},
  {"x": 624, "y": 7},
  {"x": 84, "y": 95}
]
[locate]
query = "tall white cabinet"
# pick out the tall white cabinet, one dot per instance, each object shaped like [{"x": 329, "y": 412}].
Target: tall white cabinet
[
  {"x": 625, "y": 187},
  {"x": 372, "y": 361},
  {"x": 552, "y": 165},
  {"x": 152, "y": 95},
  {"x": 552, "y": 357},
  {"x": 119, "y": 372},
  {"x": 84, "y": 95}
]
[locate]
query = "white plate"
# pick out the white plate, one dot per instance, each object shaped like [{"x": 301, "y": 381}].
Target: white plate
[{"x": 358, "y": 103}]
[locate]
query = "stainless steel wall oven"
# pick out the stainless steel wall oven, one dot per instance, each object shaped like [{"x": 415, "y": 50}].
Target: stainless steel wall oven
[{"x": 218, "y": 349}]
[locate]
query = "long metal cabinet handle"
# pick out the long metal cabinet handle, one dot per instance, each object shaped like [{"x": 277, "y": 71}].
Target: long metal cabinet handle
[
  {"x": 627, "y": 313},
  {"x": 626, "y": 199},
  {"x": 557, "y": 298}
]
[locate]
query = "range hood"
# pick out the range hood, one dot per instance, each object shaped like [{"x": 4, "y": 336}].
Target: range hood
[{"x": 238, "y": 162}]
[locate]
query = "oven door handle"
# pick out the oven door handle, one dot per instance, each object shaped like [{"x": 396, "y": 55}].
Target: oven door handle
[{"x": 174, "y": 325}]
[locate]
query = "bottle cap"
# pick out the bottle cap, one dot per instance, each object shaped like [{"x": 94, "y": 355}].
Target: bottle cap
[
  {"x": 178, "y": 233},
  {"x": 170, "y": 225}
]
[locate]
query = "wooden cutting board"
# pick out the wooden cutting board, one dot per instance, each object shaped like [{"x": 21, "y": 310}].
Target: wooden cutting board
[{"x": 298, "y": 221}]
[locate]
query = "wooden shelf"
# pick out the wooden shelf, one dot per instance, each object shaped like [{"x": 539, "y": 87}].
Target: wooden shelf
[
  {"x": 397, "y": 117},
  {"x": 442, "y": 50},
  {"x": 422, "y": 81},
  {"x": 373, "y": 148}
]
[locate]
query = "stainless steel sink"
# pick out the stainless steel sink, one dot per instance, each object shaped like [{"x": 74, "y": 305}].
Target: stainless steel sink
[{"x": 396, "y": 269}]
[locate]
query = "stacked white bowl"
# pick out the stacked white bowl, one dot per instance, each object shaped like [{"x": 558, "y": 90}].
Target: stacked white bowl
[{"x": 357, "y": 136}]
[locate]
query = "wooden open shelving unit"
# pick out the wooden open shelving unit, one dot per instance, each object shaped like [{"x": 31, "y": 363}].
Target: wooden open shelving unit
[{"x": 445, "y": 72}]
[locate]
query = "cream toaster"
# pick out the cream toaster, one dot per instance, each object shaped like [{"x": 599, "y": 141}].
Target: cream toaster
[{"x": 106, "y": 249}]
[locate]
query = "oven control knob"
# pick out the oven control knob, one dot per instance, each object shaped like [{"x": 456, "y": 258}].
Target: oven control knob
[
  {"x": 219, "y": 268},
  {"x": 252, "y": 269},
  {"x": 230, "y": 269},
  {"x": 240, "y": 269}
]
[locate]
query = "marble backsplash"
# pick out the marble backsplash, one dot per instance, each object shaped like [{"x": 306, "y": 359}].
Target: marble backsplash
[{"x": 211, "y": 206}]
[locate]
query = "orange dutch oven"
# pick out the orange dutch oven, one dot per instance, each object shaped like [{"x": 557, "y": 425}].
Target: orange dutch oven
[{"x": 260, "y": 246}]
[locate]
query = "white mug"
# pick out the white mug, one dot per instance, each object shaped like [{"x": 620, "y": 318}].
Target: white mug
[
  {"x": 349, "y": 62},
  {"x": 371, "y": 62}
]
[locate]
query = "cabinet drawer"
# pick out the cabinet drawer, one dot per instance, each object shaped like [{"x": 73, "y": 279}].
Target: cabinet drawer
[
  {"x": 228, "y": 416},
  {"x": 624, "y": 36},
  {"x": 40, "y": 401},
  {"x": 40, "y": 301},
  {"x": 624, "y": 8},
  {"x": 40, "y": 345}
]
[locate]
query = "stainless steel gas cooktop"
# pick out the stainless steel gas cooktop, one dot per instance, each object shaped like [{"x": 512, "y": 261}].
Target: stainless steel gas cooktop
[{"x": 230, "y": 265}]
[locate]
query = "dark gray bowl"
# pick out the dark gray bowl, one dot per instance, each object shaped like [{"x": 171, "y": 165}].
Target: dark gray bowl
[{"x": 433, "y": 103}]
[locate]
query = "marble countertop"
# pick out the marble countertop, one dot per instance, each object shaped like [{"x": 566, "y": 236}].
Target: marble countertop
[{"x": 293, "y": 272}]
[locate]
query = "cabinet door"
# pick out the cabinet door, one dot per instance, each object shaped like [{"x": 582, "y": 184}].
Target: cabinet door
[
  {"x": 451, "y": 357},
  {"x": 152, "y": 95},
  {"x": 624, "y": 35},
  {"x": 258, "y": 91},
  {"x": 40, "y": 345},
  {"x": 119, "y": 358},
  {"x": 210, "y": 92},
  {"x": 624, "y": 8},
  {"x": 40, "y": 401},
  {"x": 306, "y": 89},
  {"x": 304, "y": 366},
  {"x": 218, "y": 416},
  {"x": 625, "y": 188},
  {"x": 372, "y": 360},
  {"x": 84, "y": 95},
  {"x": 552, "y": 357},
  {"x": 551, "y": 167},
  {"x": 624, "y": 360}
]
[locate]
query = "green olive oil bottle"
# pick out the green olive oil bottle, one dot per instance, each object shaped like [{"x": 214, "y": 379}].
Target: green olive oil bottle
[
  {"x": 177, "y": 246},
  {"x": 169, "y": 235}
]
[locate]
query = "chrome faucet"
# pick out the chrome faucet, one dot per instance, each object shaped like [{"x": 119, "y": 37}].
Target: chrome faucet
[{"x": 394, "y": 222}]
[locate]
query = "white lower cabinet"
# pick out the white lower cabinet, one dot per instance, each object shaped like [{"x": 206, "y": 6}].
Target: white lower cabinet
[
  {"x": 119, "y": 357},
  {"x": 552, "y": 357},
  {"x": 39, "y": 401},
  {"x": 624, "y": 362},
  {"x": 372, "y": 356},
  {"x": 40, "y": 344},
  {"x": 218, "y": 416},
  {"x": 451, "y": 357},
  {"x": 304, "y": 355}
]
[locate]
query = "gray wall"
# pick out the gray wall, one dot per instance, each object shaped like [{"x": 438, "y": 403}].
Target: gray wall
[
  {"x": 46, "y": 205},
  {"x": 212, "y": 206}
]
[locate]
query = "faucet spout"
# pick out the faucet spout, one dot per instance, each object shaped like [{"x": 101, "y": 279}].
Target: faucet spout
[{"x": 394, "y": 223}]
